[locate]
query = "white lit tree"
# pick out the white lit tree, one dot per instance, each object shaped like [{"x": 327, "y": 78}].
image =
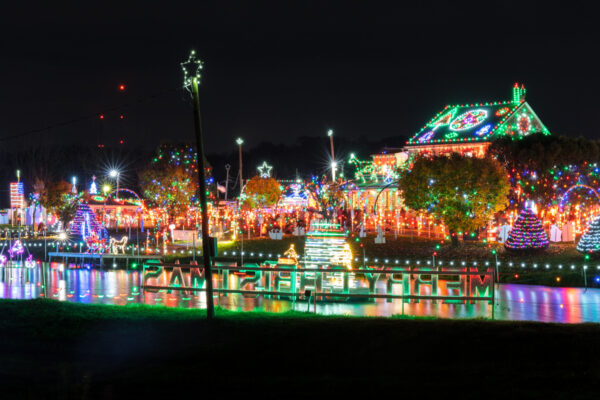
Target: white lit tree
[{"x": 590, "y": 240}]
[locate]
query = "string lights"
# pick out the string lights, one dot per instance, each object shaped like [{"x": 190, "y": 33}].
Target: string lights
[{"x": 527, "y": 233}]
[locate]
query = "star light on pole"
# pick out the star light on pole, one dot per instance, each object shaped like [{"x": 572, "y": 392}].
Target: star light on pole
[
  {"x": 264, "y": 170},
  {"x": 191, "y": 79}
]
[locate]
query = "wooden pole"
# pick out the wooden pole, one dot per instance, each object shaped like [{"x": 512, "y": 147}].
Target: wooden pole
[{"x": 210, "y": 311}]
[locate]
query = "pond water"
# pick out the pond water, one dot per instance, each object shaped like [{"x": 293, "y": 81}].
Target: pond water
[{"x": 120, "y": 287}]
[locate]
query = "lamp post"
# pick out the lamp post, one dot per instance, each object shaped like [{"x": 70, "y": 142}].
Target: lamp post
[
  {"x": 191, "y": 76},
  {"x": 115, "y": 174},
  {"x": 333, "y": 163},
  {"x": 239, "y": 142}
]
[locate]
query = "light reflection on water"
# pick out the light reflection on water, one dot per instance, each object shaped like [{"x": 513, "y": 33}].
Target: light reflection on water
[{"x": 120, "y": 287}]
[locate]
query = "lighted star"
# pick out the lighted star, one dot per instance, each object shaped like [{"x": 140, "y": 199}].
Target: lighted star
[
  {"x": 265, "y": 170},
  {"x": 191, "y": 69}
]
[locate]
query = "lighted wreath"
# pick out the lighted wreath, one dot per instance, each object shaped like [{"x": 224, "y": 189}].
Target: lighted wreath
[
  {"x": 502, "y": 111},
  {"x": 524, "y": 124}
]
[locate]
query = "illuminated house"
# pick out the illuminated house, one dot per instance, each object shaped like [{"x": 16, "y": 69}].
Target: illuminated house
[
  {"x": 470, "y": 128},
  {"x": 127, "y": 210},
  {"x": 372, "y": 176}
]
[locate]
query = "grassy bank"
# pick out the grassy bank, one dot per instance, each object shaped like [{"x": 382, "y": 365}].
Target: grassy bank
[
  {"x": 64, "y": 350},
  {"x": 405, "y": 247}
]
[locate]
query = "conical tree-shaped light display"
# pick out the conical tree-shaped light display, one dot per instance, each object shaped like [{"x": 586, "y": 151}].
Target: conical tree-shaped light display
[
  {"x": 590, "y": 240},
  {"x": 527, "y": 233}
]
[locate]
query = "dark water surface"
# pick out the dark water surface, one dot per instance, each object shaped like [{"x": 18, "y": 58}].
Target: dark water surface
[{"x": 120, "y": 287}]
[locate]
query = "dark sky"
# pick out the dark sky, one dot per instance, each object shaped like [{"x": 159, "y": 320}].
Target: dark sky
[{"x": 279, "y": 70}]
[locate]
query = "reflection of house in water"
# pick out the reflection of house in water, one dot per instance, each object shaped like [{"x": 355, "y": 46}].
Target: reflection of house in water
[{"x": 127, "y": 210}]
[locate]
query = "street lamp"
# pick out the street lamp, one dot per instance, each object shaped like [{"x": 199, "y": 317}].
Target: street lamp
[
  {"x": 191, "y": 78},
  {"x": 239, "y": 142},
  {"x": 115, "y": 174},
  {"x": 333, "y": 163}
]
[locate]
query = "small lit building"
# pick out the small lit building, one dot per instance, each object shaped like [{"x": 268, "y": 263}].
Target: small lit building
[{"x": 127, "y": 210}]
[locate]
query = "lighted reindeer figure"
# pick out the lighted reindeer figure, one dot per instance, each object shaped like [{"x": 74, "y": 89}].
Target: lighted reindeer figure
[{"x": 115, "y": 245}]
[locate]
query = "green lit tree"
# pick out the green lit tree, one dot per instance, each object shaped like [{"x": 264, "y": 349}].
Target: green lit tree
[
  {"x": 464, "y": 192},
  {"x": 59, "y": 200},
  {"x": 37, "y": 197},
  {"x": 68, "y": 208},
  {"x": 327, "y": 196},
  {"x": 170, "y": 181}
]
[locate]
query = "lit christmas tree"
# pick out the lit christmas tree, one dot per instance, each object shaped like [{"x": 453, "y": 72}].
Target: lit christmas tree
[
  {"x": 590, "y": 240},
  {"x": 93, "y": 187},
  {"x": 527, "y": 233}
]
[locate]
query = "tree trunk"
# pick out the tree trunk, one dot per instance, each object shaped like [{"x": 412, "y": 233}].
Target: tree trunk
[
  {"x": 454, "y": 239},
  {"x": 33, "y": 219}
]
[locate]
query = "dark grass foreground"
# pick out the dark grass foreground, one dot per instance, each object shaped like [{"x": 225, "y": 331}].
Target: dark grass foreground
[{"x": 50, "y": 350}]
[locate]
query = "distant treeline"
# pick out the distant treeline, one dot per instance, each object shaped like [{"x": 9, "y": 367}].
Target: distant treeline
[{"x": 306, "y": 157}]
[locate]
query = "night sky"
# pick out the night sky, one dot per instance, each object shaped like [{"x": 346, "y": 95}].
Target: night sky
[{"x": 275, "y": 72}]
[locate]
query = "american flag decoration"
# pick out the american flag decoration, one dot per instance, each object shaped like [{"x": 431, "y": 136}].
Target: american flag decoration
[{"x": 17, "y": 195}]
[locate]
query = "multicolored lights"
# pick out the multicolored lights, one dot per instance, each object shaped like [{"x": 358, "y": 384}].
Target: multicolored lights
[
  {"x": 462, "y": 123},
  {"x": 468, "y": 120},
  {"x": 326, "y": 246},
  {"x": 527, "y": 233},
  {"x": 590, "y": 241}
]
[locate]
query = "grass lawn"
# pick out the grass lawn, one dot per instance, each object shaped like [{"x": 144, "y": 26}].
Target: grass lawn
[
  {"x": 421, "y": 248},
  {"x": 74, "y": 351}
]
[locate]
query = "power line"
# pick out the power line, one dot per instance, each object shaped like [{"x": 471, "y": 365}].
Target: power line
[{"x": 91, "y": 116}]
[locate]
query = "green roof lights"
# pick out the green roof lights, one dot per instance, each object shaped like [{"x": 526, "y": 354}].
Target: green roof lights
[{"x": 518, "y": 93}]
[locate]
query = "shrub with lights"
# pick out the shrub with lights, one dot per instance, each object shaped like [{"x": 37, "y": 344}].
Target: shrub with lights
[
  {"x": 590, "y": 240},
  {"x": 527, "y": 233}
]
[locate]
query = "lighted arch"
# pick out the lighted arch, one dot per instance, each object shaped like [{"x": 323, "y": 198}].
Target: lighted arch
[
  {"x": 111, "y": 194},
  {"x": 569, "y": 190}
]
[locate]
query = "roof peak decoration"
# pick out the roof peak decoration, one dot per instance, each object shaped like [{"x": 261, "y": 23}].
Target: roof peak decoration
[{"x": 481, "y": 122}]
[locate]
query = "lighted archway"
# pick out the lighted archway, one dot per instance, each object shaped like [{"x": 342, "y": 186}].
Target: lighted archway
[
  {"x": 111, "y": 194},
  {"x": 579, "y": 185}
]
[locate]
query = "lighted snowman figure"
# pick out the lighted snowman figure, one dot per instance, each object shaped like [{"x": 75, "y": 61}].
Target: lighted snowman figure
[{"x": 172, "y": 228}]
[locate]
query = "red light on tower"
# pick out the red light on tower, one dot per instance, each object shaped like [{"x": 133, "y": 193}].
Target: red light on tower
[
  {"x": 121, "y": 88},
  {"x": 122, "y": 116},
  {"x": 101, "y": 116}
]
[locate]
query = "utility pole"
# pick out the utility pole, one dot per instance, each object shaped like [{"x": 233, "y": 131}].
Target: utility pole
[
  {"x": 227, "y": 167},
  {"x": 333, "y": 163},
  {"x": 191, "y": 70}
]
